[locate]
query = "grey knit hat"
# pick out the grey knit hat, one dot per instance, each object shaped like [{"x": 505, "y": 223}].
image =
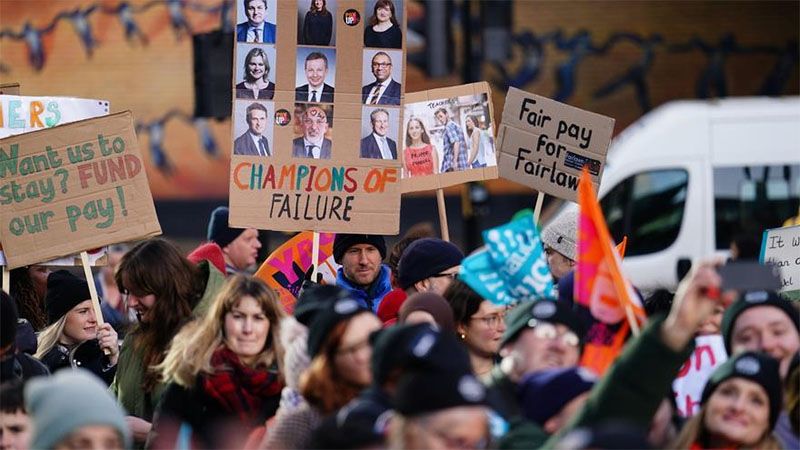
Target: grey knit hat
[
  {"x": 561, "y": 234},
  {"x": 67, "y": 401}
]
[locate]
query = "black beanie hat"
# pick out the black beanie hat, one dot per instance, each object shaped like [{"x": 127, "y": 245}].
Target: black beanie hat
[
  {"x": 314, "y": 298},
  {"x": 427, "y": 391},
  {"x": 326, "y": 317},
  {"x": 528, "y": 314},
  {"x": 751, "y": 299},
  {"x": 414, "y": 347},
  {"x": 8, "y": 320},
  {"x": 344, "y": 241},
  {"x": 424, "y": 258},
  {"x": 543, "y": 394},
  {"x": 64, "y": 291},
  {"x": 757, "y": 367},
  {"x": 218, "y": 230}
]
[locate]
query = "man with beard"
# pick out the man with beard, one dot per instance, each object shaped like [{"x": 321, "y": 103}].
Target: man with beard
[
  {"x": 362, "y": 273},
  {"x": 166, "y": 291}
]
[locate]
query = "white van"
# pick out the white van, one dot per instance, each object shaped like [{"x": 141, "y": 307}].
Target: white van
[{"x": 683, "y": 180}]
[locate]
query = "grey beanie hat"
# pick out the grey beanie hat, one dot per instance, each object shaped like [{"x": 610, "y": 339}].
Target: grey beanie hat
[
  {"x": 561, "y": 234},
  {"x": 69, "y": 400}
]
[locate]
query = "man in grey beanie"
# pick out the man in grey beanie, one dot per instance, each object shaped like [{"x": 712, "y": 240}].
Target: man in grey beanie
[
  {"x": 74, "y": 410},
  {"x": 560, "y": 239}
]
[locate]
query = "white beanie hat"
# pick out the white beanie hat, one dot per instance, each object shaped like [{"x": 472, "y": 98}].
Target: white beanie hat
[{"x": 561, "y": 234}]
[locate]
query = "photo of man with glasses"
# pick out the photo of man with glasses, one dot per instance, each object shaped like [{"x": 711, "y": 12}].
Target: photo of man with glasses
[
  {"x": 313, "y": 143},
  {"x": 384, "y": 90}
]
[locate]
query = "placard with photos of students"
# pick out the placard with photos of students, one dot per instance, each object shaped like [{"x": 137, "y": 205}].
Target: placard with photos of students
[
  {"x": 448, "y": 137},
  {"x": 311, "y": 168}
]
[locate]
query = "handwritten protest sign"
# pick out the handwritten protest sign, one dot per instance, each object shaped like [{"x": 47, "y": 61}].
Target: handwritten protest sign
[
  {"x": 544, "y": 144},
  {"x": 316, "y": 118},
  {"x": 781, "y": 247},
  {"x": 25, "y": 114},
  {"x": 285, "y": 268},
  {"x": 448, "y": 137},
  {"x": 73, "y": 188},
  {"x": 20, "y": 114},
  {"x": 709, "y": 353}
]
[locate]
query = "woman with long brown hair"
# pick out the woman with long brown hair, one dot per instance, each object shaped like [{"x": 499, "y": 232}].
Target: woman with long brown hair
[
  {"x": 338, "y": 343},
  {"x": 165, "y": 290},
  {"x": 223, "y": 370},
  {"x": 419, "y": 156}
]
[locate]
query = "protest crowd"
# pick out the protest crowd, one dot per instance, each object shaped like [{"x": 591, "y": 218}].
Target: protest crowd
[
  {"x": 401, "y": 354},
  {"x": 350, "y": 335}
]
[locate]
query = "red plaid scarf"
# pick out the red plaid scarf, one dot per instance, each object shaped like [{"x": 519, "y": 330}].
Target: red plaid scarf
[{"x": 240, "y": 389}]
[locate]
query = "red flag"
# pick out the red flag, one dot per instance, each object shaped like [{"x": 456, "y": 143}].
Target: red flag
[{"x": 600, "y": 286}]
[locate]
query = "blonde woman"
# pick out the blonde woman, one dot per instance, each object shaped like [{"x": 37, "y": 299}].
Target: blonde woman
[
  {"x": 223, "y": 370},
  {"x": 73, "y": 337}
]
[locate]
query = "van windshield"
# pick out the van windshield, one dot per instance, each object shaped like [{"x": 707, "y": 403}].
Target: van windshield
[
  {"x": 748, "y": 200},
  {"x": 648, "y": 208}
]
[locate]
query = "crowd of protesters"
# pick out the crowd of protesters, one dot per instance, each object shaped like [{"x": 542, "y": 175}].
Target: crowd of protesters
[{"x": 196, "y": 353}]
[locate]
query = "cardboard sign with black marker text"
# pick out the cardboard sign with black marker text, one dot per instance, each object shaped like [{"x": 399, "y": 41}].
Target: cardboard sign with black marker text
[
  {"x": 73, "y": 188},
  {"x": 318, "y": 92},
  {"x": 544, "y": 144}
]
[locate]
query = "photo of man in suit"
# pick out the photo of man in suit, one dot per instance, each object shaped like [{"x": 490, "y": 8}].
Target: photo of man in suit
[
  {"x": 313, "y": 143},
  {"x": 316, "y": 90},
  {"x": 377, "y": 145},
  {"x": 384, "y": 90},
  {"x": 253, "y": 141},
  {"x": 256, "y": 29}
]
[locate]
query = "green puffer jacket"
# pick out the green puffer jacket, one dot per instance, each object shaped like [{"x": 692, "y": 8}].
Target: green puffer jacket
[
  {"x": 630, "y": 391},
  {"x": 127, "y": 385}
]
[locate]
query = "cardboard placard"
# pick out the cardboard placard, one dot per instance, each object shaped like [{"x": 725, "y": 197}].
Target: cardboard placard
[
  {"x": 97, "y": 257},
  {"x": 544, "y": 144},
  {"x": 9, "y": 89},
  {"x": 709, "y": 353},
  {"x": 460, "y": 144},
  {"x": 73, "y": 188},
  {"x": 781, "y": 247},
  {"x": 19, "y": 114},
  {"x": 350, "y": 182}
]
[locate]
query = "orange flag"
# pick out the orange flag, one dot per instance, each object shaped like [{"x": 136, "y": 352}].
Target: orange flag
[{"x": 600, "y": 286}]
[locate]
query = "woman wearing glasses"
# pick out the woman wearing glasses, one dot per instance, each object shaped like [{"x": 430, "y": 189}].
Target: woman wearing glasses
[{"x": 479, "y": 324}]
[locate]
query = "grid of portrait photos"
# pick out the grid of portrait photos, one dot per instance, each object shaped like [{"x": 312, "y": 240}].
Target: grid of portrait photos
[
  {"x": 254, "y": 78},
  {"x": 448, "y": 135},
  {"x": 315, "y": 78},
  {"x": 381, "y": 80}
]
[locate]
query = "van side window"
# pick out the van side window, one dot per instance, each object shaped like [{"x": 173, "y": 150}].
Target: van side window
[
  {"x": 748, "y": 200},
  {"x": 648, "y": 208}
]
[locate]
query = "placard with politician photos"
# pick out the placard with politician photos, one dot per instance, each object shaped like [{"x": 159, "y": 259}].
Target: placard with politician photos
[
  {"x": 254, "y": 78},
  {"x": 448, "y": 135},
  {"x": 312, "y": 115}
]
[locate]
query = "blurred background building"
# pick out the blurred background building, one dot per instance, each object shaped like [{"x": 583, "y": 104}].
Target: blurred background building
[{"x": 165, "y": 60}]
